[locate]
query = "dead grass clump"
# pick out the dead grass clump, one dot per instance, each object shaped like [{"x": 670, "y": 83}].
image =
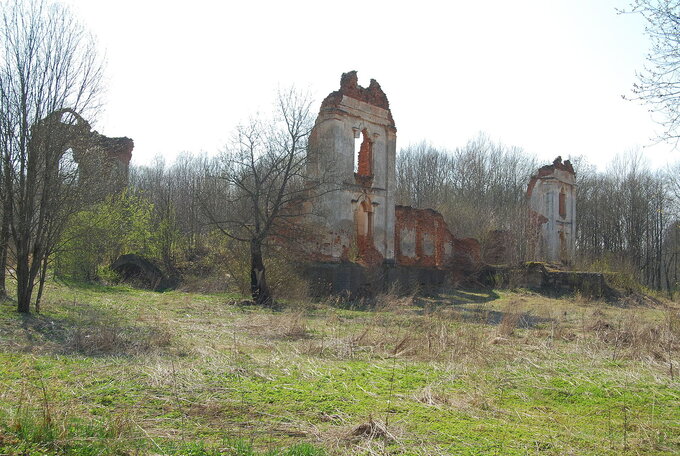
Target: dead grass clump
[
  {"x": 635, "y": 338},
  {"x": 100, "y": 339},
  {"x": 210, "y": 410},
  {"x": 473, "y": 402},
  {"x": 287, "y": 326},
  {"x": 440, "y": 340},
  {"x": 335, "y": 418},
  {"x": 393, "y": 300},
  {"x": 437, "y": 340},
  {"x": 430, "y": 396},
  {"x": 372, "y": 430},
  {"x": 468, "y": 342},
  {"x": 558, "y": 331},
  {"x": 583, "y": 299},
  {"x": 365, "y": 342},
  {"x": 512, "y": 315},
  {"x": 294, "y": 327},
  {"x": 335, "y": 301}
]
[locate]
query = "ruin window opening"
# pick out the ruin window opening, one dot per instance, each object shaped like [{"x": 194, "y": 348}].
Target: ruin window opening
[
  {"x": 363, "y": 154},
  {"x": 365, "y": 220},
  {"x": 68, "y": 118},
  {"x": 563, "y": 204},
  {"x": 357, "y": 149},
  {"x": 68, "y": 167}
]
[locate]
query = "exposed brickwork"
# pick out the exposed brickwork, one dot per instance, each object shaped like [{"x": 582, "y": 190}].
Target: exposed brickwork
[
  {"x": 467, "y": 259},
  {"x": 547, "y": 170},
  {"x": 363, "y": 230},
  {"x": 552, "y": 211},
  {"x": 365, "y": 156},
  {"x": 368, "y": 254},
  {"x": 349, "y": 86},
  {"x": 115, "y": 148},
  {"x": 544, "y": 171},
  {"x": 427, "y": 230}
]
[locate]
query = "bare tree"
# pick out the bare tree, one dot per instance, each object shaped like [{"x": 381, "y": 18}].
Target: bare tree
[
  {"x": 174, "y": 191},
  {"x": 628, "y": 221},
  {"x": 49, "y": 69},
  {"x": 260, "y": 188},
  {"x": 659, "y": 83}
]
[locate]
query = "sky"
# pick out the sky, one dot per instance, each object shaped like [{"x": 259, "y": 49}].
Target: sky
[{"x": 546, "y": 76}]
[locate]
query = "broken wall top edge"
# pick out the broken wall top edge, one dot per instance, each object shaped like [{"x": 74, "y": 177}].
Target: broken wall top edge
[{"x": 349, "y": 87}]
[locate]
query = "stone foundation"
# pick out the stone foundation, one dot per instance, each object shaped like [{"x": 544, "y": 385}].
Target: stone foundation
[
  {"x": 355, "y": 281},
  {"x": 545, "y": 279}
]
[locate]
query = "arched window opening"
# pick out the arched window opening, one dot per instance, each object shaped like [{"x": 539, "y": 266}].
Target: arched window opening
[
  {"x": 364, "y": 219},
  {"x": 563, "y": 204},
  {"x": 68, "y": 167},
  {"x": 363, "y": 154},
  {"x": 357, "y": 149},
  {"x": 68, "y": 118}
]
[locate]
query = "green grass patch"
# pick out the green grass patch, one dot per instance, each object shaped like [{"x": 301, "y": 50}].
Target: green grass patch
[{"x": 113, "y": 370}]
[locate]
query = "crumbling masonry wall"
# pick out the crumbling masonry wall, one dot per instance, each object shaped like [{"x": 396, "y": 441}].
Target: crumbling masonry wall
[
  {"x": 552, "y": 201},
  {"x": 365, "y": 242},
  {"x": 422, "y": 238},
  {"x": 99, "y": 158},
  {"x": 356, "y": 205}
]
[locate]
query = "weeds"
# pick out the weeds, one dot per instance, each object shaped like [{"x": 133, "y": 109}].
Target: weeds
[
  {"x": 111, "y": 339},
  {"x": 509, "y": 373},
  {"x": 39, "y": 428},
  {"x": 511, "y": 317}
]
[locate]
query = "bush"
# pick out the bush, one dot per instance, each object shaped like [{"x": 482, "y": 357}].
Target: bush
[
  {"x": 224, "y": 265},
  {"x": 95, "y": 237}
]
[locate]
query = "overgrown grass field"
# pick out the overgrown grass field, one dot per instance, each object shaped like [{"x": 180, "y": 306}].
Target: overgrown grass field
[{"x": 117, "y": 371}]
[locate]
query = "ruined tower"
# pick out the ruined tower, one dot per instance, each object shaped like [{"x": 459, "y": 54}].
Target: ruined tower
[
  {"x": 353, "y": 149},
  {"x": 552, "y": 201}
]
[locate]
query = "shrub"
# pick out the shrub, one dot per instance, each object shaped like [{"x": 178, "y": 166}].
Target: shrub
[{"x": 95, "y": 237}]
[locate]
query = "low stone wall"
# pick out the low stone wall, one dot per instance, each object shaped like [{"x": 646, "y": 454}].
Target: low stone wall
[
  {"x": 356, "y": 281},
  {"x": 542, "y": 277}
]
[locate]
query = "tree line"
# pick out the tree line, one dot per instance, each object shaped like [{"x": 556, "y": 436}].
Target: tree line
[
  {"x": 217, "y": 215},
  {"x": 627, "y": 215}
]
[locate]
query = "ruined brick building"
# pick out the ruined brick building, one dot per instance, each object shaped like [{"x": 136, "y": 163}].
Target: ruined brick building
[
  {"x": 100, "y": 159},
  {"x": 552, "y": 201},
  {"x": 363, "y": 231}
]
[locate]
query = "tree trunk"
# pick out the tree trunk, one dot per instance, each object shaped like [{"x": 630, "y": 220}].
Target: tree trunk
[
  {"x": 4, "y": 246},
  {"x": 41, "y": 283},
  {"x": 24, "y": 285},
  {"x": 4, "y": 230},
  {"x": 258, "y": 282}
]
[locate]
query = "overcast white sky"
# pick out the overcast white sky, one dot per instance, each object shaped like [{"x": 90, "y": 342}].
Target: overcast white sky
[{"x": 544, "y": 75}]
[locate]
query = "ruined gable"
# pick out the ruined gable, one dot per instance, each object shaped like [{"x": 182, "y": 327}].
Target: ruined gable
[{"x": 350, "y": 88}]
